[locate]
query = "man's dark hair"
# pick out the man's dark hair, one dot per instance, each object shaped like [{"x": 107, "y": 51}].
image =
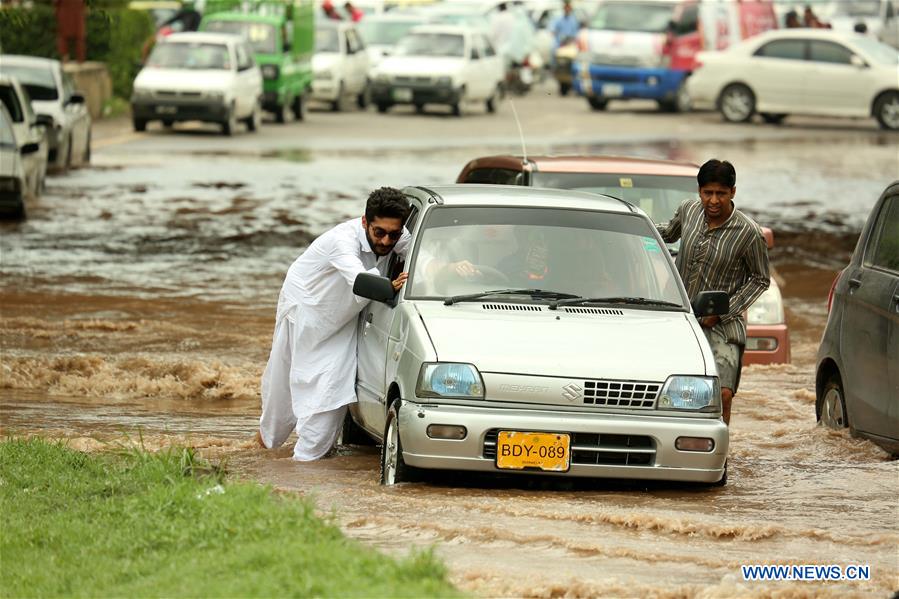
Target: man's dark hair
[
  {"x": 717, "y": 171},
  {"x": 387, "y": 202}
]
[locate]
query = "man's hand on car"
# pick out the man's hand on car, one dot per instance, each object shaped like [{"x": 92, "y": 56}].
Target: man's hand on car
[{"x": 398, "y": 282}]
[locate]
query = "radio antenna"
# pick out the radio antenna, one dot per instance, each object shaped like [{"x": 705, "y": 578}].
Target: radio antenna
[{"x": 524, "y": 150}]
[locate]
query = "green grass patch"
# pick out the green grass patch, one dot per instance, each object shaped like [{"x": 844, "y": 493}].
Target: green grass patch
[{"x": 139, "y": 524}]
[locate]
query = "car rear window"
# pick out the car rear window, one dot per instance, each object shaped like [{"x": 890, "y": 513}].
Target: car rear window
[{"x": 39, "y": 81}]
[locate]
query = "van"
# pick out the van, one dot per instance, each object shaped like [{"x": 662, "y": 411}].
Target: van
[
  {"x": 646, "y": 49},
  {"x": 281, "y": 36}
]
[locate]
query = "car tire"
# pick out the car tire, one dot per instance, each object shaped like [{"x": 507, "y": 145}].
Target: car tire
[
  {"x": 337, "y": 105},
  {"x": 564, "y": 88},
  {"x": 139, "y": 125},
  {"x": 419, "y": 109},
  {"x": 229, "y": 127},
  {"x": 886, "y": 111},
  {"x": 393, "y": 468},
  {"x": 280, "y": 113},
  {"x": 298, "y": 107},
  {"x": 492, "y": 100},
  {"x": 168, "y": 124},
  {"x": 597, "y": 103},
  {"x": 255, "y": 119},
  {"x": 737, "y": 103},
  {"x": 353, "y": 434},
  {"x": 723, "y": 480},
  {"x": 773, "y": 118},
  {"x": 830, "y": 407},
  {"x": 363, "y": 99},
  {"x": 383, "y": 108}
]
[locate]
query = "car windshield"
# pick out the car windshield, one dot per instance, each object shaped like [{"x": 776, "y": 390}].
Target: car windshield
[
  {"x": 385, "y": 33},
  {"x": 262, "y": 37},
  {"x": 859, "y": 8},
  {"x": 652, "y": 17},
  {"x": 190, "y": 55},
  {"x": 878, "y": 51},
  {"x": 38, "y": 81},
  {"x": 326, "y": 40},
  {"x": 6, "y": 135},
  {"x": 577, "y": 252},
  {"x": 431, "y": 44}
]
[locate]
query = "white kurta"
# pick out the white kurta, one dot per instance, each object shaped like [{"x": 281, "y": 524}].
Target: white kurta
[{"x": 312, "y": 366}]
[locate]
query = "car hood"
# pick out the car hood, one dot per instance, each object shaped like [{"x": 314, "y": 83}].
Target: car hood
[
  {"x": 420, "y": 66},
  {"x": 192, "y": 80},
  {"x": 623, "y": 344},
  {"x": 325, "y": 61}
]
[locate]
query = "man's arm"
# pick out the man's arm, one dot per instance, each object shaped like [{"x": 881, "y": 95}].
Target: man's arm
[
  {"x": 756, "y": 262},
  {"x": 671, "y": 231}
]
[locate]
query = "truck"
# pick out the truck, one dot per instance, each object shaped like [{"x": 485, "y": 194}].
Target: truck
[
  {"x": 647, "y": 48},
  {"x": 281, "y": 34}
]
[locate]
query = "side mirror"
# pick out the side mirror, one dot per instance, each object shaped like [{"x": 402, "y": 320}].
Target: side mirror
[
  {"x": 44, "y": 119},
  {"x": 76, "y": 98},
  {"x": 32, "y": 148},
  {"x": 711, "y": 303},
  {"x": 857, "y": 61},
  {"x": 374, "y": 287}
]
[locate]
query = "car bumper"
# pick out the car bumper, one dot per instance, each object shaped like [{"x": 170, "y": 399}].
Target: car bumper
[
  {"x": 179, "y": 110},
  {"x": 767, "y": 344},
  {"x": 388, "y": 93},
  {"x": 602, "y": 445},
  {"x": 325, "y": 90},
  {"x": 627, "y": 82}
]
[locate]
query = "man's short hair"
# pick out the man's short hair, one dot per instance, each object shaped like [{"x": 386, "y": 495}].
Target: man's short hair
[
  {"x": 387, "y": 202},
  {"x": 717, "y": 171}
]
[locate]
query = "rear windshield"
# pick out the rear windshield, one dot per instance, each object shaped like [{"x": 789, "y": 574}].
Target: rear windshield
[
  {"x": 262, "y": 37},
  {"x": 187, "y": 55},
  {"x": 39, "y": 81},
  {"x": 652, "y": 17}
]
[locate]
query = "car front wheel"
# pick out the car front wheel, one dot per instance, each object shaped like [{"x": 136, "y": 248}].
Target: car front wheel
[
  {"x": 831, "y": 405},
  {"x": 737, "y": 103},
  {"x": 597, "y": 103},
  {"x": 887, "y": 111},
  {"x": 393, "y": 469}
]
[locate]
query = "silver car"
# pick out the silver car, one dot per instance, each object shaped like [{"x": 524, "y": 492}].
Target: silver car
[
  {"x": 857, "y": 381},
  {"x": 28, "y": 130},
  {"x": 540, "y": 331},
  {"x": 61, "y": 107},
  {"x": 13, "y": 178}
]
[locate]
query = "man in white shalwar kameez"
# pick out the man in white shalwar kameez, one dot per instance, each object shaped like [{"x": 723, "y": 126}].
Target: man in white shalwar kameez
[{"x": 311, "y": 373}]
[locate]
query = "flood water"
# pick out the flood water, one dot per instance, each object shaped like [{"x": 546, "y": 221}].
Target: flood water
[{"x": 138, "y": 304}]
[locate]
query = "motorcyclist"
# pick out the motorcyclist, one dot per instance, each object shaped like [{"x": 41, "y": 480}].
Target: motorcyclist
[{"x": 564, "y": 28}]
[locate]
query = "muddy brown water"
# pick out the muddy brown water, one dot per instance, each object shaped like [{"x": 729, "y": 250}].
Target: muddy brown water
[{"x": 137, "y": 306}]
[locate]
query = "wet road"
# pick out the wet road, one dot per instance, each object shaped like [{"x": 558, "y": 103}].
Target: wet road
[{"x": 138, "y": 302}]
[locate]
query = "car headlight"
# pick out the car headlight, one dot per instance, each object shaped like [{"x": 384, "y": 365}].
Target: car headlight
[
  {"x": 698, "y": 393},
  {"x": 382, "y": 78},
  {"x": 270, "y": 71},
  {"x": 768, "y": 308},
  {"x": 9, "y": 184},
  {"x": 141, "y": 94},
  {"x": 323, "y": 75},
  {"x": 445, "y": 81},
  {"x": 450, "y": 380}
]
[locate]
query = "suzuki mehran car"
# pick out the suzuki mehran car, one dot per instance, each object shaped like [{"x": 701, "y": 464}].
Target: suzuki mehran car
[{"x": 540, "y": 331}]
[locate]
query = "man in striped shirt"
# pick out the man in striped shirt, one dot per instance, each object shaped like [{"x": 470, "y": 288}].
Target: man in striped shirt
[{"x": 722, "y": 249}]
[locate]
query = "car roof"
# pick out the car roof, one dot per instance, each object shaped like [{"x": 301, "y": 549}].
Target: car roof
[
  {"x": 625, "y": 165},
  {"x": 28, "y": 61},
  {"x": 202, "y": 36},
  {"x": 527, "y": 197}
]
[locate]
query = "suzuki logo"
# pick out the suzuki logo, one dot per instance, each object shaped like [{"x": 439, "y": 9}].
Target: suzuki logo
[{"x": 571, "y": 392}]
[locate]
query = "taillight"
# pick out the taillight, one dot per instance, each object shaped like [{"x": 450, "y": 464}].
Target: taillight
[{"x": 832, "y": 289}]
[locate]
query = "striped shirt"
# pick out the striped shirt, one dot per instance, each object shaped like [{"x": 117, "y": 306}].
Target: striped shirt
[{"x": 732, "y": 257}]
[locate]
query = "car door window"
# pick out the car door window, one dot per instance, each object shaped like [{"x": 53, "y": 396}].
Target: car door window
[
  {"x": 884, "y": 249},
  {"x": 244, "y": 61},
  {"x": 830, "y": 52},
  {"x": 11, "y": 101},
  {"x": 783, "y": 49},
  {"x": 488, "y": 48}
]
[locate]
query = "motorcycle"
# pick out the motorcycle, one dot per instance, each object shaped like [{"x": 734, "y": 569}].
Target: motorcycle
[{"x": 564, "y": 57}]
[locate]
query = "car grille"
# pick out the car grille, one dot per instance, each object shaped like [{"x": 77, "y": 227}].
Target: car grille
[
  {"x": 164, "y": 93},
  {"x": 408, "y": 80},
  {"x": 621, "y": 394},
  {"x": 597, "y": 449}
]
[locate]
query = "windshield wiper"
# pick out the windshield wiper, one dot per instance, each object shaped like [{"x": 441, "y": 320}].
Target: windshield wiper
[
  {"x": 612, "y": 300},
  {"x": 532, "y": 292}
]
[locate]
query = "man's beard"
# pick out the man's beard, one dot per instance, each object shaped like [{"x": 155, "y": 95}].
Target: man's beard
[{"x": 377, "y": 248}]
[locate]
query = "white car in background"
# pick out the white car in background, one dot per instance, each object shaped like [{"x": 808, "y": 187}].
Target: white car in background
[
  {"x": 28, "y": 129},
  {"x": 53, "y": 95},
  {"x": 209, "y": 77},
  {"x": 382, "y": 32},
  {"x": 340, "y": 65},
  {"x": 13, "y": 182},
  {"x": 439, "y": 64},
  {"x": 800, "y": 71}
]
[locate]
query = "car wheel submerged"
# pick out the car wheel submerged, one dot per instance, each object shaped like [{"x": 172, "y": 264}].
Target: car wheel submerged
[
  {"x": 737, "y": 103},
  {"x": 352, "y": 433},
  {"x": 886, "y": 110},
  {"x": 229, "y": 127},
  {"x": 255, "y": 119},
  {"x": 393, "y": 469},
  {"x": 831, "y": 405},
  {"x": 773, "y": 118}
]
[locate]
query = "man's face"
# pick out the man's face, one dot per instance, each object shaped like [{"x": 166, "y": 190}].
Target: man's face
[
  {"x": 382, "y": 233},
  {"x": 716, "y": 199}
]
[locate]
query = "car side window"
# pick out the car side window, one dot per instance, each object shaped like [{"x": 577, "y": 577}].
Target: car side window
[
  {"x": 830, "y": 52},
  {"x": 11, "y": 101},
  {"x": 885, "y": 247},
  {"x": 413, "y": 218},
  {"x": 783, "y": 49},
  {"x": 488, "y": 47}
]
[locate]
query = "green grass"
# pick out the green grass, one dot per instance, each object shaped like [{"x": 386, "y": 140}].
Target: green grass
[{"x": 134, "y": 524}]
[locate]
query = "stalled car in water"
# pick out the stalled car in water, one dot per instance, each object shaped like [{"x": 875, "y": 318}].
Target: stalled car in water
[
  {"x": 657, "y": 187},
  {"x": 13, "y": 181},
  {"x": 28, "y": 129},
  {"x": 507, "y": 352},
  {"x": 857, "y": 380}
]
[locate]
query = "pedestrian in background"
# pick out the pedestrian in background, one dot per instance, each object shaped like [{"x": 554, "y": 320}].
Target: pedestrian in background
[
  {"x": 722, "y": 249},
  {"x": 310, "y": 378},
  {"x": 564, "y": 28},
  {"x": 355, "y": 14},
  {"x": 330, "y": 11}
]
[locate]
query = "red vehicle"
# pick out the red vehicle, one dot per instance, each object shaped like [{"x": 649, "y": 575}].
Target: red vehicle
[{"x": 655, "y": 186}]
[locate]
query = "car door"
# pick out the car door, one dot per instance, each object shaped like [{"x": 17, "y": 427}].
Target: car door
[
  {"x": 776, "y": 73},
  {"x": 358, "y": 62},
  {"x": 248, "y": 80},
  {"x": 834, "y": 84},
  {"x": 869, "y": 326},
  {"x": 375, "y": 347}
]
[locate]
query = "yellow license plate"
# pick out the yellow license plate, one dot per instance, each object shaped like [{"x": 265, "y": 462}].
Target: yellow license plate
[{"x": 545, "y": 451}]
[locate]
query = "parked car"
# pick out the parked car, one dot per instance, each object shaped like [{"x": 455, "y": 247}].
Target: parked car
[
  {"x": 455, "y": 373},
  {"x": 209, "y": 77},
  {"x": 13, "y": 182},
  {"x": 857, "y": 379},
  {"x": 439, "y": 64},
  {"x": 382, "y": 32},
  {"x": 340, "y": 65},
  {"x": 801, "y": 71},
  {"x": 53, "y": 95},
  {"x": 655, "y": 186},
  {"x": 879, "y": 17},
  {"x": 28, "y": 129}
]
